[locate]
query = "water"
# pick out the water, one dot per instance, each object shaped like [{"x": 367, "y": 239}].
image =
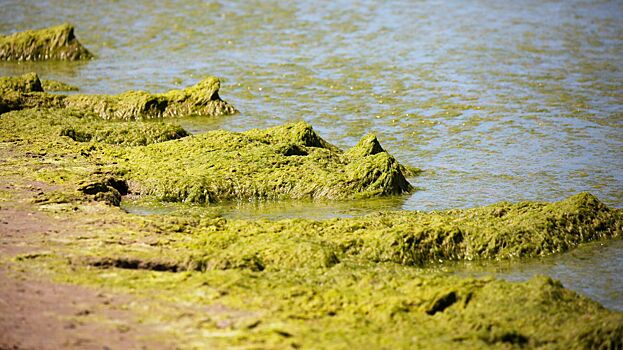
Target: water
[
  {"x": 496, "y": 100},
  {"x": 593, "y": 269}
]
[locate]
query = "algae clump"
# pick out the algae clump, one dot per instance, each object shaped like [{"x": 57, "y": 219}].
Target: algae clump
[
  {"x": 54, "y": 43},
  {"x": 284, "y": 162},
  {"x": 54, "y": 85},
  {"x": 28, "y": 82},
  {"x": 202, "y": 99}
]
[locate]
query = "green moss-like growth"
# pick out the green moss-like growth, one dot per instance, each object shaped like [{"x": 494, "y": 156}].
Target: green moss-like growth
[
  {"x": 53, "y": 85},
  {"x": 136, "y": 134},
  {"x": 15, "y": 100},
  {"x": 54, "y": 43},
  {"x": 500, "y": 231},
  {"x": 289, "y": 161},
  {"x": 25, "y": 91},
  {"x": 201, "y": 99},
  {"x": 364, "y": 306},
  {"x": 24, "y": 83},
  {"x": 342, "y": 283},
  {"x": 54, "y": 125}
]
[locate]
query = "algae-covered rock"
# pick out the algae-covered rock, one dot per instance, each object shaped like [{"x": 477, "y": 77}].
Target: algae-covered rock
[
  {"x": 289, "y": 161},
  {"x": 25, "y": 91},
  {"x": 15, "y": 100},
  {"x": 54, "y": 43},
  {"x": 202, "y": 99}
]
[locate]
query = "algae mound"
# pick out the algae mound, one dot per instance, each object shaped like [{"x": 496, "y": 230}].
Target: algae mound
[
  {"x": 25, "y": 91},
  {"x": 28, "y": 82},
  {"x": 284, "y": 162},
  {"x": 500, "y": 231},
  {"x": 54, "y": 43},
  {"x": 54, "y": 85},
  {"x": 202, "y": 99}
]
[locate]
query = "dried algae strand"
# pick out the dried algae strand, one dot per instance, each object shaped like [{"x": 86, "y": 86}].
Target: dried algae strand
[
  {"x": 54, "y": 43},
  {"x": 202, "y": 99},
  {"x": 284, "y": 162}
]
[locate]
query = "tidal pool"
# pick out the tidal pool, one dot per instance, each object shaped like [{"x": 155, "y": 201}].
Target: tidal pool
[{"x": 496, "y": 101}]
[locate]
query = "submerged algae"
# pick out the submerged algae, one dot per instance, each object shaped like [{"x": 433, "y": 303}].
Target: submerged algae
[
  {"x": 284, "y": 162},
  {"x": 54, "y": 43},
  {"x": 201, "y": 99}
]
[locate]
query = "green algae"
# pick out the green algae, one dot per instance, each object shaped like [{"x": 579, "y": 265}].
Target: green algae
[
  {"x": 54, "y": 85},
  {"x": 501, "y": 231},
  {"x": 30, "y": 82},
  {"x": 354, "y": 305},
  {"x": 134, "y": 134},
  {"x": 85, "y": 128},
  {"x": 54, "y": 43},
  {"x": 284, "y": 162},
  {"x": 25, "y": 91},
  {"x": 339, "y": 283},
  {"x": 25, "y": 83},
  {"x": 202, "y": 99}
]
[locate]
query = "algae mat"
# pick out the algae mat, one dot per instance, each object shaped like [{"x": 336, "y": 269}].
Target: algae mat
[
  {"x": 340, "y": 283},
  {"x": 289, "y": 161},
  {"x": 202, "y": 99},
  {"x": 496, "y": 100}
]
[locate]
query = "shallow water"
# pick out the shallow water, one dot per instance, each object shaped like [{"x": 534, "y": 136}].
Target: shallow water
[
  {"x": 495, "y": 100},
  {"x": 273, "y": 210},
  {"x": 593, "y": 269}
]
